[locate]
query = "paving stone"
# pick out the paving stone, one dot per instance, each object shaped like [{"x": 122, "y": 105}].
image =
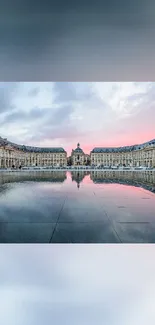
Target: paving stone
[
  {"x": 85, "y": 232},
  {"x": 32, "y": 211},
  {"x": 26, "y": 232}
]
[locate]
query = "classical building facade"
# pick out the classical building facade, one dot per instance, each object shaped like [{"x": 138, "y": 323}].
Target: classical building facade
[
  {"x": 14, "y": 155},
  {"x": 78, "y": 157},
  {"x": 129, "y": 156}
]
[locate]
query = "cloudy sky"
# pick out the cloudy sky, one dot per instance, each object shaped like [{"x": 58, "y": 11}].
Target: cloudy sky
[
  {"x": 62, "y": 113},
  {"x": 82, "y": 40},
  {"x": 80, "y": 285}
]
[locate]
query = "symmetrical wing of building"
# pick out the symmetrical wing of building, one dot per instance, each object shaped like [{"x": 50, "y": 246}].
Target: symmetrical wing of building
[
  {"x": 136, "y": 155},
  {"x": 14, "y": 155}
]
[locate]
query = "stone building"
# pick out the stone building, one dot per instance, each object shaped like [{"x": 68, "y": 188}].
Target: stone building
[
  {"x": 12, "y": 154},
  {"x": 78, "y": 157},
  {"x": 129, "y": 156}
]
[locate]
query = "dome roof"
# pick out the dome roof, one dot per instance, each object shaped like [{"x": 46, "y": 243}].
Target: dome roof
[{"x": 78, "y": 149}]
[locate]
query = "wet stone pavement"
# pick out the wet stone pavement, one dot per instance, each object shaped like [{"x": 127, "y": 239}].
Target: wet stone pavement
[{"x": 77, "y": 207}]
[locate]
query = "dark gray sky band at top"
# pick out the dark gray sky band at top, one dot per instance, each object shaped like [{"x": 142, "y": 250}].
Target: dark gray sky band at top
[{"x": 83, "y": 40}]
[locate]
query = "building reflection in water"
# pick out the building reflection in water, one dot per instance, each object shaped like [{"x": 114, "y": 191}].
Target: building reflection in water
[
  {"x": 78, "y": 176},
  {"x": 145, "y": 179},
  {"x": 53, "y": 177}
]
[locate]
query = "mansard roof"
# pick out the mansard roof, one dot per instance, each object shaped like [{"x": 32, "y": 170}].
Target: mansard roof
[
  {"x": 31, "y": 148},
  {"x": 123, "y": 149}
]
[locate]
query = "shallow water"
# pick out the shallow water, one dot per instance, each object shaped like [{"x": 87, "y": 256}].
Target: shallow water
[{"x": 77, "y": 207}]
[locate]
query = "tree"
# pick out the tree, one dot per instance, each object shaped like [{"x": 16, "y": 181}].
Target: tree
[{"x": 69, "y": 161}]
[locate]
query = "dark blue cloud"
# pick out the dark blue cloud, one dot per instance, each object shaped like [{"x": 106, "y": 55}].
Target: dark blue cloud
[
  {"x": 29, "y": 6},
  {"x": 83, "y": 40}
]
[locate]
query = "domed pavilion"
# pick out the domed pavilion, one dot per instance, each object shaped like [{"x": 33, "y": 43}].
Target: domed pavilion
[{"x": 78, "y": 156}]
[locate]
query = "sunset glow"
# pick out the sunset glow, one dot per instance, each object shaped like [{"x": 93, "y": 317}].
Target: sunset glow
[{"x": 62, "y": 114}]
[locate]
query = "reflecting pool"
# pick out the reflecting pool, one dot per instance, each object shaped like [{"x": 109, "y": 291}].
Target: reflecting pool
[{"x": 77, "y": 207}]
